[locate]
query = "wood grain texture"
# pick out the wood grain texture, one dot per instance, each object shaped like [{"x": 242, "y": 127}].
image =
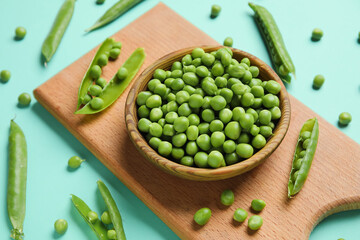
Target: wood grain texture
[
  {"x": 203, "y": 174},
  {"x": 333, "y": 183}
]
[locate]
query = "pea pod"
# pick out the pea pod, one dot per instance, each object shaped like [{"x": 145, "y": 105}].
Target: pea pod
[
  {"x": 116, "y": 87},
  {"x": 303, "y": 156},
  {"x": 16, "y": 188},
  {"x": 113, "y": 13},
  {"x": 98, "y": 227},
  {"x": 113, "y": 210},
  {"x": 57, "y": 31},
  {"x": 274, "y": 42},
  {"x": 87, "y": 81}
]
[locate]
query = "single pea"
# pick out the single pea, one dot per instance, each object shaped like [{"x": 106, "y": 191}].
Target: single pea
[
  {"x": 207, "y": 59},
  {"x": 159, "y": 74},
  {"x": 226, "y": 59},
  {"x": 192, "y": 133},
  {"x": 105, "y": 217},
  {"x": 171, "y": 97},
  {"x": 305, "y": 135},
  {"x": 161, "y": 122},
  {"x": 96, "y": 103},
  {"x": 191, "y": 148},
  {"x": 102, "y": 60},
  {"x": 273, "y": 87},
  {"x": 243, "y": 138},
  {"x": 92, "y": 216},
  {"x": 217, "y": 139},
  {"x": 264, "y": 117},
  {"x": 101, "y": 82},
  {"x": 197, "y": 53},
  {"x": 257, "y": 91},
  {"x": 227, "y": 197},
  {"x": 111, "y": 234},
  {"x": 215, "y": 11},
  {"x": 202, "y": 71},
  {"x": 154, "y": 82},
  {"x": 236, "y": 71},
  {"x": 217, "y": 69},
  {"x": 204, "y": 128},
  {"x": 100, "y": 1},
  {"x": 153, "y": 101},
  {"x": 187, "y": 161},
  {"x": 302, "y": 153},
  {"x": 122, "y": 73},
  {"x": 182, "y": 97},
  {"x": 155, "y": 114},
  {"x": 254, "y": 71},
  {"x": 244, "y": 150},
  {"x": 258, "y": 141},
  {"x": 218, "y": 103},
  {"x": 258, "y": 205},
  {"x": 220, "y": 82},
  {"x": 247, "y": 99},
  {"x": 194, "y": 119},
  {"x": 186, "y": 60},
  {"x": 201, "y": 159},
  {"x": 228, "y": 42},
  {"x": 61, "y": 226},
  {"x": 247, "y": 76},
  {"x": 190, "y": 68},
  {"x": 233, "y": 130},
  {"x": 266, "y": 131},
  {"x": 154, "y": 142},
  {"x": 181, "y": 124},
  {"x": 216, "y": 125},
  {"x": 215, "y": 159},
  {"x": 208, "y": 115},
  {"x": 237, "y": 112},
  {"x": 117, "y": 45},
  {"x": 272, "y": 125},
  {"x": 244, "y": 65},
  {"x": 254, "y": 130},
  {"x": 191, "y": 78},
  {"x": 155, "y": 129},
  {"x": 196, "y": 62},
  {"x": 254, "y": 113},
  {"x": 246, "y": 61},
  {"x": 306, "y": 143},
  {"x": 179, "y": 140},
  {"x": 283, "y": 71},
  {"x": 203, "y": 141},
  {"x": 24, "y": 99},
  {"x": 95, "y": 90},
  {"x": 318, "y": 81},
  {"x": 295, "y": 176},
  {"x": 255, "y": 82},
  {"x": 172, "y": 106},
  {"x": 168, "y": 130},
  {"x": 184, "y": 110},
  {"x": 75, "y": 162},
  {"x": 176, "y": 66},
  {"x": 270, "y": 100},
  {"x": 255, "y": 222},
  {"x": 144, "y": 125},
  {"x": 238, "y": 88},
  {"x": 246, "y": 120},
  {"x": 240, "y": 215},
  {"x": 176, "y": 73},
  {"x": 225, "y": 115},
  {"x": 297, "y": 163},
  {"x": 316, "y": 34},
  {"x": 202, "y": 216},
  {"x": 5, "y": 75},
  {"x": 20, "y": 33},
  {"x": 275, "y": 113},
  {"x": 114, "y": 53},
  {"x": 171, "y": 116},
  {"x": 231, "y": 158},
  {"x": 142, "y": 97},
  {"x": 95, "y": 71},
  {"x": 87, "y": 98},
  {"x": 257, "y": 103},
  {"x": 196, "y": 101},
  {"x": 177, "y": 153},
  {"x": 229, "y": 146},
  {"x": 345, "y": 118},
  {"x": 167, "y": 82},
  {"x": 209, "y": 87},
  {"x": 164, "y": 148},
  {"x": 168, "y": 74}
]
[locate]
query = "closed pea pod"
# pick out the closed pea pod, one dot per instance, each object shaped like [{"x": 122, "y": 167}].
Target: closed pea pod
[
  {"x": 298, "y": 175},
  {"x": 57, "y": 31},
  {"x": 17, "y": 174}
]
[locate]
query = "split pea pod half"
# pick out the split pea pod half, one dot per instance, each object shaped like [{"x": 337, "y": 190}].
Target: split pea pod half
[
  {"x": 57, "y": 31},
  {"x": 113, "y": 211},
  {"x": 274, "y": 42},
  {"x": 303, "y": 156},
  {"x": 16, "y": 188},
  {"x": 113, "y": 13},
  {"x": 96, "y": 225},
  {"x": 117, "y": 85}
]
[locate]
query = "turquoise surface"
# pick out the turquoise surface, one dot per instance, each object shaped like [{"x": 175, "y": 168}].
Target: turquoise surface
[{"x": 50, "y": 145}]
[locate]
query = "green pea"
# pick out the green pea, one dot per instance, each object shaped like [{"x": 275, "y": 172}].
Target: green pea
[
  {"x": 217, "y": 69},
  {"x": 217, "y": 139},
  {"x": 192, "y": 133},
  {"x": 215, "y": 159},
  {"x": 254, "y": 71},
  {"x": 154, "y": 142},
  {"x": 258, "y": 205},
  {"x": 164, "y": 148},
  {"x": 194, "y": 119},
  {"x": 186, "y": 60},
  {"x": 179, "y": 140},
  {"x": 182, "y": 97},
  {"x": 345, "y": 118},
  {"x": 197, "y": 53},
  {"x": 114, "y": 53},
  {"x": 153, "y": 101},
  {"x": 258, "y": 141},
  {"x": 247, "y": 99},
  {"x": 187, "y": 161},
  {"x": 204, "y": 128},
  {"x": 176, "y": 73},
  {"x": 111, "y": 234},
  {"x": 236, "y": 71},
  {"x": 117, "y": 45},
  {"x": 24, "y": 99},
  {"x": 207, "y": 59},
  {"x": 102, "y": 60},
  {"x": 257, "y": 103},
  {"x": 306, "y": 143},
  {"x": 228, "y": 42},
  {"x": 231, "y": 158},
  {"x": 237, "y": 112},
  {"x": 255, "y": 82},
  {"x": 318, "y": 81},
  {"x": 161, "y": 90},
  {"x": 220, "y": 82},
  {"x": 244, "y": 65},
  {"x": 167, "y": 82},
  {"x": 168, "y": 74},
  {"x": 215, "y": 11},
  {"x": 172, "y": 106},
  {"x": 270, "y": 100},
  {"x": 191, "y": 148},
  {"x": 218, "y": 103},
  {"x": 191, "y": 78},
  {"x": 5, "y": 75},
  {"x": 95, "y": 90},
  {"x": 196, "y": 62},
  {"x": 272, "y": 125},
  {"x": 208, "y": 115},
  {"x": 190, "y": 68},
  {"x": 196, "y": 101},
  {"x": 201, "y": 159},
  {"x": 87, "y": 98},
  {"x": 232, "y": 130},
  {"x": 61, "y": 226},
  {"x": 255, "y": 222},
  {"x": 75, "y": 162},
  {"x": 226, "y": 59},
  {"x": 240, "y": 215},
  {"x": 203, "y": 141},
  {"x": 105, "y": 218},
  {"x": 177, "y": 153},
  {"x": 92, "y": 216},
  {"x": 168, "y": 130},
  {"x": 95, "y": 71},
  {"x": 246, "y": 120},
  {"x": 20, "y": 33},
  {"x": 144, "y": 125},
  {"x": 275, "y": 113},
  {"x": 155, "y": 129},
  {"x": 243, "y": 138},
  {"x": 283, "y": 71},
  {"x": 302, "y": 154},
  {"x": 209, "y": 87},
  {"x": 264, "y": 117},
  {"x": 181, "y": 124},
  {"x": 247, "y": 76},
  {"x": 171, "y": 116},
  {"x": 176, "y": 66},
  {"x": 153, "y": 83},
  {"x": 216, "y": 125},
  {"x": 297, "y": 163},
  {"x": 101, "y": 82},
  {"x": 316, "y": 34},
  {"x": 171, "y": 97},
  {"x": 225, "y": 115},
  {"x": 227, "y": 94},
  {"x": 257, "y": 91},
  {"x": 244, "y": 150},
  {"x": 227, "y": 197},
  {"x": 229, "y": 146},
  {"x": 159, "y": 74},
  {"x": 273, "y": 87},
  {"x": 155, "y": 114},
  {"x": 202, "y": 71},
  {"x": 254, "y": 130},
  {"x": 202, "y": 216},
  {"x": 266, "y": 131}
]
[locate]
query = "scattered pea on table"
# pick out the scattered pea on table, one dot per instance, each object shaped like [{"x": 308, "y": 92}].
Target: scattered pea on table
[
  {"x": 215, "y": 11},
  {"x": 75, "y": 162},
  {"x": 24, "y": 99},
  {"x": 5, "y": 76},
  {"x": 240, "y": 215},
  {"x": 227, "y": 197},
  {"x": 202, "y": 216},
  {"x": 258, "y": 205},
  {"x": 345, "y": 118},
  {"x": 316, "y": 34},
  {"x": 255, "y": 222},
  {"x": 318, "y": 81},
  {"x": 61, "y": 226},
  {"x": 20, "y": 33}
]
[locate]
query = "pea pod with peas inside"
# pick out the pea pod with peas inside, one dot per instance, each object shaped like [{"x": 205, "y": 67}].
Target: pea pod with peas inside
[
  {"x": 16, "y": 188},
  {"x": 303, "y": 156},
  {"x": 274, "y": 42},
  {"x": 116, "y": 85}
]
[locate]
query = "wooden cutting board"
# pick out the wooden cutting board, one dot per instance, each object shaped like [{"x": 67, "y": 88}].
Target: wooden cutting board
[{"x": 333, "y": 184}]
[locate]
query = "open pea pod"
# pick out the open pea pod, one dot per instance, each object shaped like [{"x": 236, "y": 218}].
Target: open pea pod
[
  {"x": 113, "y": 210},
  {"x": 303, "y": 156},
  {"x": 98, "y": 227},
  {"x": 115, "y": 86},
  {"x": 87, "y": 81},
  {"x": 274, "y": 42}
]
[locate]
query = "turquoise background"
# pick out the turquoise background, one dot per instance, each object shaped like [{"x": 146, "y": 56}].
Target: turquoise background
[{"x": 50, "y": 145}]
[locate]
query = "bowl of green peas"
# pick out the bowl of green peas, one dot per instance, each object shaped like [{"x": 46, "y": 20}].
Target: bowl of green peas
[{"x": 207, "y": 113}]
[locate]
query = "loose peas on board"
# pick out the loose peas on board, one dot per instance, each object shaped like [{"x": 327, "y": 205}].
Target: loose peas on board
[{"x": 210, "y": 111}]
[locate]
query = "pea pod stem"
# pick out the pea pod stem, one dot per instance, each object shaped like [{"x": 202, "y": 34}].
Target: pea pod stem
[
  {"x": 16, "y": 188},
  {"x": 274, "y": 42},
  {"x": 57, "y": 31},
  {"x": 113, "y": 210},
  {"x": 113, "y": 13},
  {"x": 98, "y": 227},
  {"x": 115, "y": 88},
  {"x": 295, "y": 185}
]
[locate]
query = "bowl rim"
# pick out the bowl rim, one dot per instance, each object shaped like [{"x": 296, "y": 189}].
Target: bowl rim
[{"x": 204, "y": 174}]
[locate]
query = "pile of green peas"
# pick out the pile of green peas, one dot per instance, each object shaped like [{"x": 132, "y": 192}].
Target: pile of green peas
[{"x": 209, "y": 110}]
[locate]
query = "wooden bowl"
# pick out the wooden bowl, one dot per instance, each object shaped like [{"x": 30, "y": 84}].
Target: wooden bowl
[{"x": 204, "y": 174}]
